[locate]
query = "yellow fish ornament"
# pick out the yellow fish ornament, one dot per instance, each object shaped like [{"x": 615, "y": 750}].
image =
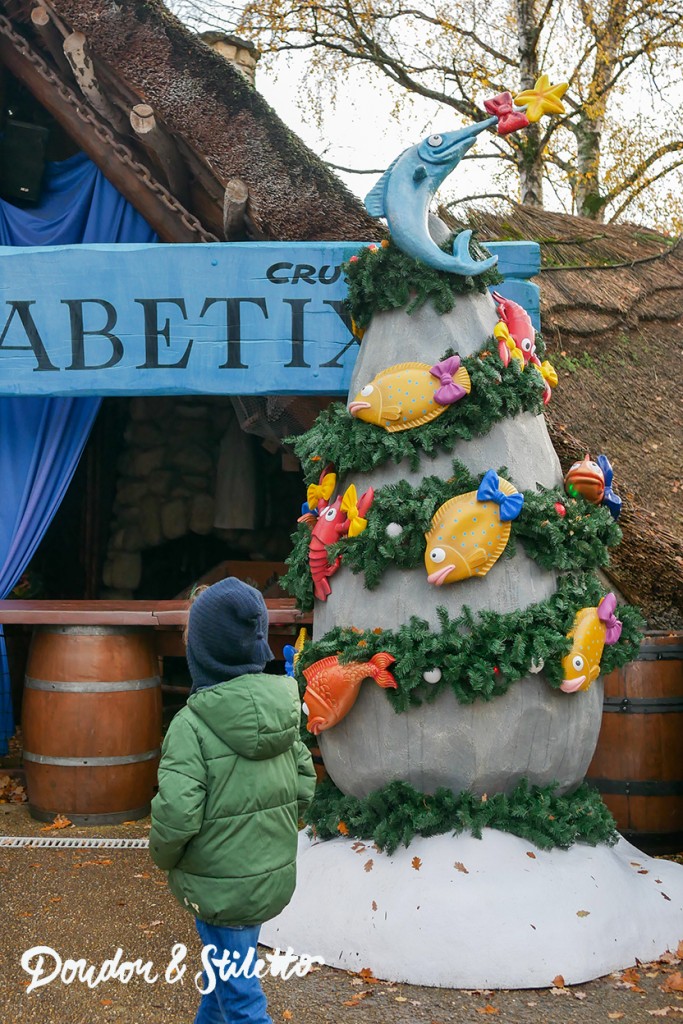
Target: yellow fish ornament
[
  {"x": 469, "y": 532},
  {"x": 409, "y": 394},
  {"x": 593, "y": 628}
]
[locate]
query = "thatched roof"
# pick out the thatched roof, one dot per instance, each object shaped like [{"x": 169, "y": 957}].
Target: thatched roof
[
  {"x": 612, "y": 316},
  {"x": 212, "y": 126}
]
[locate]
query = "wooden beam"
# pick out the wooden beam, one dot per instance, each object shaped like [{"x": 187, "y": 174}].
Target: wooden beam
[
  {"x": 234, "y": 210},
  {"x": 159, "y": 214},
  {"x": 147, "y": 129},
  {"x": 76, "y": 52},
  {"x": 51, "y": 36}
]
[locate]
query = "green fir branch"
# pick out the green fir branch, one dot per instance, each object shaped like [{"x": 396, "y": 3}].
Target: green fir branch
[
  {"x": 395, "y": 814},
  {"x": 577, "y": 540},
  {"x": 479, "y": 656},
  {"x": 352, "y": 445},
  {"x": 382, "y": 277},
  {"x": 572, "y": 542}
]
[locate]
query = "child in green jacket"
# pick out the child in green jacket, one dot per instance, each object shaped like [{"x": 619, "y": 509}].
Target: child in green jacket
[{"x": 234, "y": 780}]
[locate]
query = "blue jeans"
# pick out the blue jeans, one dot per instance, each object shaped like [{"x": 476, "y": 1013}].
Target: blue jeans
[{"x": 236, "y": 1000}]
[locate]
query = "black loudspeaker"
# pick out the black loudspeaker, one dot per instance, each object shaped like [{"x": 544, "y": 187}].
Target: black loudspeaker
[{"x": 22, "y": 161}]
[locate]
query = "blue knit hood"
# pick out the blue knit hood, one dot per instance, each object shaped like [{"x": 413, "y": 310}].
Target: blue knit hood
[{"x": 227, "y": 633}]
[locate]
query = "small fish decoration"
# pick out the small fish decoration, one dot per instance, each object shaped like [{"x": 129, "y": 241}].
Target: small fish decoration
[
  {"x": 469, "y": 532},
  {"x": 587, "y": 479},
  {"x": 332, "y": 688},
  {"x": 592, "y": 629},
  {"x": 292, "y": 653},
  {"x": 409, "y": 394},
  {"x": 609, "y": 498}
]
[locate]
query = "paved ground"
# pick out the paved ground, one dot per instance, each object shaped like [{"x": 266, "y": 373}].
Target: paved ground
[{"x": 89, "y": 903}]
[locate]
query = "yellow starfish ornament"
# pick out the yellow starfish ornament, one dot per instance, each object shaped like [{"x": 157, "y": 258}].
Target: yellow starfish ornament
[{"x": 544, "y": 98}]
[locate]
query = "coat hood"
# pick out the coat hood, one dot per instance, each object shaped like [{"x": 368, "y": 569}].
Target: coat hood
[{"x": 256, "y": 715}]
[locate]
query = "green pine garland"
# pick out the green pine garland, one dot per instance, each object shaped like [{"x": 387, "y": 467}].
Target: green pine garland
[
  {"x": 397, "y": 812},
  {"x": 480, "y": 656},
  {"x": 352, "y": 445},
  {"x": 383, "y": 277},
  {"x": 578, "y": 540}
]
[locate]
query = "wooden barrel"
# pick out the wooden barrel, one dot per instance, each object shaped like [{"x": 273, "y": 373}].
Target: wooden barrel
[
  {"x": 638, "y": 762},
  {"x": 318, "y": 764},
  {"x": 91, "y": 723}
]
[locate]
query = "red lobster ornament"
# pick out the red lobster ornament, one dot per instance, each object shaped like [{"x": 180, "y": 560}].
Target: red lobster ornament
[
  {"x": 333, "y": 523},
  {"x": 517, "y": 340}
]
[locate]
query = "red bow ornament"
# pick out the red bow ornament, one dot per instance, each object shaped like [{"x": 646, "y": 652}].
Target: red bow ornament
[{"x": 510, "y": 119}]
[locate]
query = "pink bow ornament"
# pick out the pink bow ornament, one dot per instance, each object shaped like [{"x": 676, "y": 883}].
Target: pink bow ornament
[{"x": 449, "y": 391}]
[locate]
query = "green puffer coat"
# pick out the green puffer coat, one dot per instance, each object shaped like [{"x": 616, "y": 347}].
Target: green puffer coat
[{"x": 234, "y": 779}]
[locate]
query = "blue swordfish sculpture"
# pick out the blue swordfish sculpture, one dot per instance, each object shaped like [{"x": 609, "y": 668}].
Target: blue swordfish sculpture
[{"x": 403, "y": 194}]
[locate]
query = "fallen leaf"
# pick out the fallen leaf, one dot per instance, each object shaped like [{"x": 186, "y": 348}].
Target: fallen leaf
[
  {"x": 287, "y": 1014},
  {"x": 530, "y": 854},
  {"x": 679, "y": 950},
  {"x": 487, "y": 1009},
  {"x": 558, "y": 981},
  {"x": 60, "y": 822},
  {"x": 666, "y": 897},
  {"x": 459, "y": 866},
  {"x": 343, "y": 828},
  {"x": 560, "y": 991},
  {"x": 416, "y": 863},
  {"x": 630, "y": 976},
  {"x": 145, "y": 874},
  {"x": 368, "y": 864},
  {"x": 106, "y": 1002},
  {"x": 583, "y": 913},
  {"x": 617, "y": 1015},
  {"x": 579, "y": 995},
  {"x": 643, "y": 871},
  {"x": 374, "y": 905},
  {"x": 400, "y": 999},
  {"x": 674, "y": 983}
]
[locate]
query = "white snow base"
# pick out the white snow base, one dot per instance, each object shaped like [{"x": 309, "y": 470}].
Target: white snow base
[{"x": 496, "y": 912}]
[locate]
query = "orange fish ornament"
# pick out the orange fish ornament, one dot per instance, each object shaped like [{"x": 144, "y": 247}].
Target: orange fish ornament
[
  {"x": 593, "y": 628},
  {"x": 409, "y": 394},
  {"x": 469, "y": 533},
  {"x": 332, "y": 689},
  {"x": 587, "y": 479}
]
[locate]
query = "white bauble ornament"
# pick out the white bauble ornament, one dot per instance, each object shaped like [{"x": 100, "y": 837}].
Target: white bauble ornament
[
  {"x": 432, "y": 675},
  {"x": 394, "y": 530}
]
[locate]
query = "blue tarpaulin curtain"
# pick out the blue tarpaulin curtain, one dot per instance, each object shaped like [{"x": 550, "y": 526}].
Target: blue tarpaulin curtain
[{"x": 41, "y": 439}]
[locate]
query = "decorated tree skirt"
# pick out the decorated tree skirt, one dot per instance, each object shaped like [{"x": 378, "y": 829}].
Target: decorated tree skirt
[{"x": 495, "y": 912}]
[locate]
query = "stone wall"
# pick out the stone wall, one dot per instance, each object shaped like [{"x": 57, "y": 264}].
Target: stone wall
[
  {"x": 166, "y": 487},
  {"x": 166, "y": 481}
]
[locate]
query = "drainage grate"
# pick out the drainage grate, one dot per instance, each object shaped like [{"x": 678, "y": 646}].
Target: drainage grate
[{"x": 62, "y": 843}]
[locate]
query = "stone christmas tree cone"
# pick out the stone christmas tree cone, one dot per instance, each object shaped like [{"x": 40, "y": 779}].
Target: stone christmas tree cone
[{"x": 532, "y": 731}]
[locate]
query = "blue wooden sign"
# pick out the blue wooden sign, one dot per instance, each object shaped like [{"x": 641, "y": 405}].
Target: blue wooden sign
[{"x": 242, "y": 318}]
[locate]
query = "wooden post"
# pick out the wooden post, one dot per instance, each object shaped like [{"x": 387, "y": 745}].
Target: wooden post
[
  {"x": 147, "y": 129},
  {"x": 165, "y": 220},
  {"x": 76, "y": 52},
  {"x": 234, "y": 210},
  {"x": 51, "y": 36}
]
